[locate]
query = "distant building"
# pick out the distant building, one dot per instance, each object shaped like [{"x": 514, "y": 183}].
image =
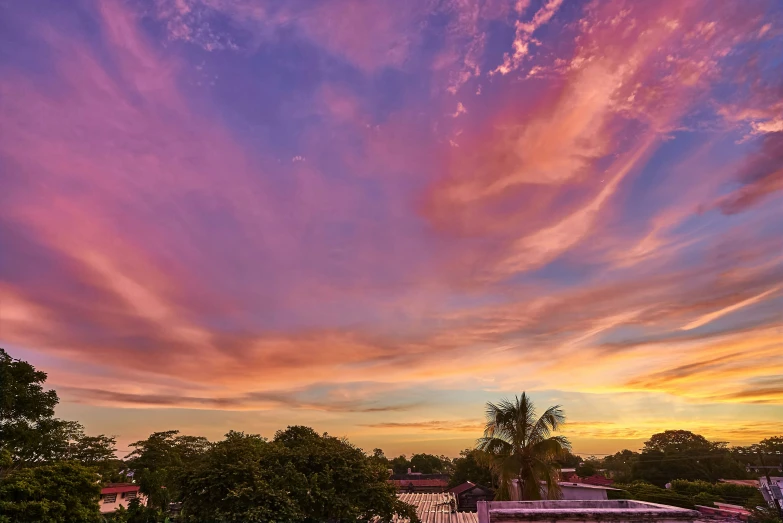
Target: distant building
[
  {"x": 469, "y": 493},
  {"x": 115, "y": 495},
  {"x": 595, "y": 479},
  {"x": 569, "y": 491},
  {"x": 584, "y": 511},
  {"x": 414, "y": 482}
]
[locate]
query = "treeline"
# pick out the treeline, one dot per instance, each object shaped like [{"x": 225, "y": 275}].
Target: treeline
[{"x": 52, "y": 472}]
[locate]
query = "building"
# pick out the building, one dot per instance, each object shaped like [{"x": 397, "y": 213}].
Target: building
[
  {"x": 414, "y": 482},
  {"x": 436, "y": 508},
  {"x": 115, "y": 495},
  {"x": 595, "y": 479},
  {"x": 569, "y": 491},
  {"x": 469, "y": 493},
  {"x": 585, "y": 511},
  {"x": 772, "y": 490}
]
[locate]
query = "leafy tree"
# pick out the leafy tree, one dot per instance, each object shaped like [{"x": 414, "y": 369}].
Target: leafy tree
[
  {"x": 620, "y": 465},
  {"x": 56, "y": 493},
  {"x": 570, "y": 460},
  {"x": 300, "y": 476},
  {"x": 158, "y": 461},
  {"x": 430, "y": 464},
  {"x": 681, "y": 454},
  {"x": 586, "y": 469},
  {"x": 472, "y": 465},
  {"x": 230, "y": 483},
  {"x": 520, "y": 446},
  {"x": 400, "y": 464},
  {"x": 30, "y": 435}
]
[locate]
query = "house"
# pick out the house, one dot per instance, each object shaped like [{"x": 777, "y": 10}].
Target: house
[
  {"x": 584, "y": 511},
  {"x": 569, "y": 491},
  {"x": 115, "y": 495},
  {"x": 435, "y": 508},
  {"x": 595, "y": 479},
  {"x": 469, "y": 493},
  {"x": 416, "y": 482}
]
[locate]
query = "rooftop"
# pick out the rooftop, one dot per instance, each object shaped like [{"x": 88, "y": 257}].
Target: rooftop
[
  {"x": 592, "y": 510},
  {"x": 435, "y": 508},
  {"x": 117, "y": 488}
]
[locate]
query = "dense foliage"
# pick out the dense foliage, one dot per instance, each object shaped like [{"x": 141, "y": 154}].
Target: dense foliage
[
  {"x": 300, "y": 476},
  {"x": 57, "y": 493},
  {"x": 472, "y": 465}
]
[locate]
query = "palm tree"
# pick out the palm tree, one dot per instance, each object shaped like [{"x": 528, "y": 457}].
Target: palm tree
[{"x": 521, "y": 447}]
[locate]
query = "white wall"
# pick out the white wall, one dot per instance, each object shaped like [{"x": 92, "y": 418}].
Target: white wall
[{"x": 111, "y": 507}]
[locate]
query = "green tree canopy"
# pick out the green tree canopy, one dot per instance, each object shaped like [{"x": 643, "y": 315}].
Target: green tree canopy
[
  {"x": 521, "y": 447},
  {"x": 472, "y": 465},
  {"x": 158, "y": 461},
  {"x": 57, "y": 493},
  {"x": 30, "y": 435},
  {"x": 300, "y": 476},
  {"x": 681, "y": 454}
]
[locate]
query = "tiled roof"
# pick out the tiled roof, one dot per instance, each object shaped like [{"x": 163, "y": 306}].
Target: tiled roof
[{"x": 435, "y": 508}]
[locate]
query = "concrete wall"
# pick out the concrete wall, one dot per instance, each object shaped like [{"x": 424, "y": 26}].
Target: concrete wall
[{"x": 610, "y": 511}]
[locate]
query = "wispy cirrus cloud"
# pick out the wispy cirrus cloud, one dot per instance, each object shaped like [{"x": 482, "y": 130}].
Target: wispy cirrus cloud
[{"x": 424, "y": 237}]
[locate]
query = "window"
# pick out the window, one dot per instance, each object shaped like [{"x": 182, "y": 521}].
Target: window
[
  {"x": 130, "y": 495},
  {"x": 109, "y": 498}
]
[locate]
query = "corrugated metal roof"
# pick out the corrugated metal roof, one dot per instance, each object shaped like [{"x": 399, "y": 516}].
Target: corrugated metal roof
[{"x": 435, "y": 508}]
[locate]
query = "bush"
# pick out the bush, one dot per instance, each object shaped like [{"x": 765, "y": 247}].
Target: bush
[
  {"x": 725, "y": 492},
  {"x": 643, "y": 491},
  {"x": 57, "y": 493}
]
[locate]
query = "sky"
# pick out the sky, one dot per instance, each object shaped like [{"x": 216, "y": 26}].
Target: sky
[{"x": 372, "y": 217}]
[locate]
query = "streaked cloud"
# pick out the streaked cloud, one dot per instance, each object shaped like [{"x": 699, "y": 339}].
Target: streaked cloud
[{"x": 342, "y": 211}]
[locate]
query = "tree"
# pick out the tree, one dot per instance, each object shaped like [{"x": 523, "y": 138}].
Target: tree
[
  {"x": 681, "y": 454},
  {"x": 430, "y": 464},
  {"x": 300, "y": 476},
  {"x": 30, "y": 435},
  {"x": 587, "y": 468},
  {"x": 56, "y": 493},
  {"x": 570, "y": 460},
  {"x": 400, "y": 464},
  {"x": 158, "y": 460},
  {"x": 521, "y": 447},
  {"x": 620, "y": 465},
  {"x": 473, "y": 466}
]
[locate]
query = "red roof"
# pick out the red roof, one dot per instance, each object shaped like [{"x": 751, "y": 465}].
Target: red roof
[
  {"x": 595, "y": 479},
  {"x": 118, "y": 489},
  {"x": 420, "y": 482},
  {"x": 459, "y": 489}
]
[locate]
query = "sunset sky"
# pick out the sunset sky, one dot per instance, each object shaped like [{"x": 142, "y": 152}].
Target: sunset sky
[{"x": 374, "y": 216}]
